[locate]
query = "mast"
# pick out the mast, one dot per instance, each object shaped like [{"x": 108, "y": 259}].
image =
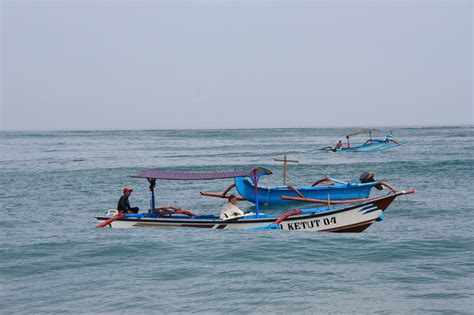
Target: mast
[{"x": 285, "y": 161}]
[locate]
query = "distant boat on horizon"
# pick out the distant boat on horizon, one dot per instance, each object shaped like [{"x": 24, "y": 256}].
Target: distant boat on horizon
[{"x": 370, "y": 145}]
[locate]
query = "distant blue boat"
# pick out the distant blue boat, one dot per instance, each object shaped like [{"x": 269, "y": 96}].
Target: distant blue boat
[
  {"x": 371, "y": 145},
  {"x": 339, "y": 191}
]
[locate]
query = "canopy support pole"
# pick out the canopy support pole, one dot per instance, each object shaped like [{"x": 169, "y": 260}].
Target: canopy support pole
[
  {"x": 152, "y": 182},
  {"x": 255, "y": 181}
]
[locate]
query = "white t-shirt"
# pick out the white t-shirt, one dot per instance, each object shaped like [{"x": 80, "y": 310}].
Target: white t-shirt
[{"x": 230, "y": 210}]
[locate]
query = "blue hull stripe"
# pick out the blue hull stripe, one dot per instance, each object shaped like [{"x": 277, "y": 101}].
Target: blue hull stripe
[{"x": 369, "y": 209}]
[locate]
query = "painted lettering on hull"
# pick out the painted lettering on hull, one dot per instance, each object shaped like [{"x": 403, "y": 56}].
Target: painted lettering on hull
[{"x": 310, "y": 224}]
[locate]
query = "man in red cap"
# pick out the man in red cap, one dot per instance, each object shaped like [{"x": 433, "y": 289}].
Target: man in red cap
[{"x": 123, "y": 204}]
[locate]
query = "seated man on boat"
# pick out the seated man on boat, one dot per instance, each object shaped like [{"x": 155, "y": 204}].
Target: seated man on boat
[
  {"x": 124, "y": 205},
  {"x": 389, "y": 138},
  {"x": 338, "y": 146},
  {"x": 230, "y": 209}
]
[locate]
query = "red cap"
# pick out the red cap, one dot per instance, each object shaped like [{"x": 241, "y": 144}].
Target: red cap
[{"x": 127, "y": 189}]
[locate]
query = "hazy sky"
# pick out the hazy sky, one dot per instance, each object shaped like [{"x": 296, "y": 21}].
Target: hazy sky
[{"x": 221, "y": 64}]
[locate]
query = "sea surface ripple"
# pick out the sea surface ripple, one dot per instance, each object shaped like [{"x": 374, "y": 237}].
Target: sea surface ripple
[{"x": 52, "y": 259}]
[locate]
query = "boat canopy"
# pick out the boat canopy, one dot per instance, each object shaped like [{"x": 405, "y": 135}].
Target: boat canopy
[
  {"x": 179, "y": 175},
  {"x": 360, "y": 132}
]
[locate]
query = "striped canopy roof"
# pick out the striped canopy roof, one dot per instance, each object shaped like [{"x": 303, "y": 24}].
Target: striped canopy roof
[
  {"x": 359, "y": 132},
  {"x": 178, "y": 175}
]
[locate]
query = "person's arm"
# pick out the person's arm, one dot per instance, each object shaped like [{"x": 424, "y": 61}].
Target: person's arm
[
  {"x": 127, "y": 204},
  {"x": 239, "y": 211}
]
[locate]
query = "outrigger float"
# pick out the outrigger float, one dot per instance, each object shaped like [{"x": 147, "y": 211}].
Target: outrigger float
[
  {"x": 324, "y": 190},
  {"x": 371, "y": 145},
  {"x": 330, "y": 218}
]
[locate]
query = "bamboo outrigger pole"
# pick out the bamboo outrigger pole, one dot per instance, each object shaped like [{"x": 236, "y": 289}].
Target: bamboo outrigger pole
[{"x": 285, "y": 161}]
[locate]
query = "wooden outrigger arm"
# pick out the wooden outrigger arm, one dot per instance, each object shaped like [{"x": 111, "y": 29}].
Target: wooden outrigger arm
[
  {"x": 112, "y": 219},
  {"x": 223, "y": 195},
  {"x": 331, "y": 181},
  {"x": 169, "y": 210},
  {"x": 286, "y": 215},
  {"x": 322, "y": 201},
  {"x": 322, "y": 180},
  {"x": 296, "y": 191},
  {"x": 338, "y": 202},
  {"x": 301, "y": 198},
  {"x": 276, "y": 224}
]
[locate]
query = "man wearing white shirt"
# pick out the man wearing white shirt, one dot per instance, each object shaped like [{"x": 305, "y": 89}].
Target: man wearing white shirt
[{"x": 230, "y": 210}]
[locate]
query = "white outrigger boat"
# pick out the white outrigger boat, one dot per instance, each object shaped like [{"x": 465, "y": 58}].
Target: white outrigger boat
[{"x": 354, "y": 217}]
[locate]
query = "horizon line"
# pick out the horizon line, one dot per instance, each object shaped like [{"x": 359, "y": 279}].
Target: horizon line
[{"x": 246, "y": 128}]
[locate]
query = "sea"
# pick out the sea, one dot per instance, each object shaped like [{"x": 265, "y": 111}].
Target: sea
[{"x": 418, "y": 260}]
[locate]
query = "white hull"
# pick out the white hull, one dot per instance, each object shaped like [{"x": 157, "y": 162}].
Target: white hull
[{"x": 352, "y": 218}]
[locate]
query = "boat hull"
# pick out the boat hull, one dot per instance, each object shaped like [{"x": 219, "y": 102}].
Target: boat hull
[
  {"x": 353, "y": 218},
  {"x": 375, "y": 146},
  {"x": 272, "y": 195}
]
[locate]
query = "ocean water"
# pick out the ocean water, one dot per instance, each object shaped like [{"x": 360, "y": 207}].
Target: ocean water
[{"x": 52, "y": 259}]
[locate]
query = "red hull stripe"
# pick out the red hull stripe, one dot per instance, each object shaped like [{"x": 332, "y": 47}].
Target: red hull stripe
[
  {"x": 384, "y": 203},
  {"x": 355, "y": 229},
  {"x": 351, "y": 226}
]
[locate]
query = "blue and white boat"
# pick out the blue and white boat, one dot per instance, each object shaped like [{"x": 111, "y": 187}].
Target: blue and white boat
[
  {"x": 337, "y": 191},
  {"x": 324, "y": 190},
  {"x": 371, "y": 145},
  {"x": 347, "y": 218}
]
